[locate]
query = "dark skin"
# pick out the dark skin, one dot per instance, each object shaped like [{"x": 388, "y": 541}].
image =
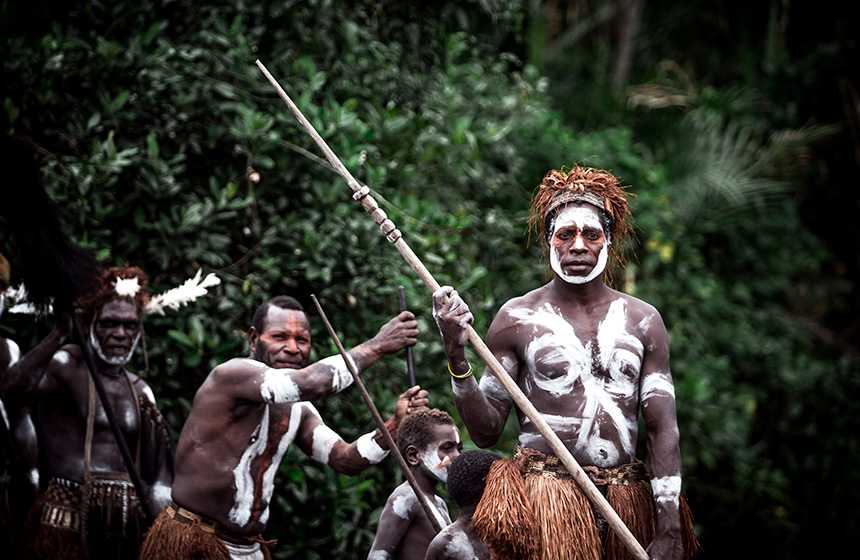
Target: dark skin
[
  {"x": 57, "y": 387},
  {"x": 458, "y": 541},
  {"x": 248, "y": 412},
  {"x": 589, "y": 358},
  {"x": 404, "y": 530}
]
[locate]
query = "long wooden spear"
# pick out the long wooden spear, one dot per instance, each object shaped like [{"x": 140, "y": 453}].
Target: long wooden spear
[
  {"x": 422, "y": 499},
  {"x": 362, "y": 194}
]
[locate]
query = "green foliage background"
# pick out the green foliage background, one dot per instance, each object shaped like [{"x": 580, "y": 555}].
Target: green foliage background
[{"x": 165, "y": 148}]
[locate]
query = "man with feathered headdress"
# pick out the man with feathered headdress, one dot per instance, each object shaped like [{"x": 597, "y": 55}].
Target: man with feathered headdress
[
  {"x": 89, "y": 506},
  {"x": 589, "y": 358}
]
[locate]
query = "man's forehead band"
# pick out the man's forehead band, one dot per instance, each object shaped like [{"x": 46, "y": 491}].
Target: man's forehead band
[{"x": 568, "y": 195}]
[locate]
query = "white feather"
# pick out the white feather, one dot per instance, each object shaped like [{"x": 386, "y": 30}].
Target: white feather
[
  {"x": 190, "y": 290},
  {"x": 126, "y": 287}
]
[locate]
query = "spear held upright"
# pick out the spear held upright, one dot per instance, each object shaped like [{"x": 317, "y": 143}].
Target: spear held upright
[{"x": 361, "y": 194}]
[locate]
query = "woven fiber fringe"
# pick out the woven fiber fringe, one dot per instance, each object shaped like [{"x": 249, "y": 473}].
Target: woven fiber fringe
[
  {"x": 504, "y": 518},
  {"x": 566, "y": 522},
  {"x": 50, "y": 543},
  {"x": 635, "y": 506},
  {"x": 688, "y": 532},
  {"x": 169, "y": 539}
]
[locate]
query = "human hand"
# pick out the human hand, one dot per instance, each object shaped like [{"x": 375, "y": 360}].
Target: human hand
[
  {"x": 451, "y": 317},
  {"x": 396, "y": 334},
  {"x": 413, "y": 399}
]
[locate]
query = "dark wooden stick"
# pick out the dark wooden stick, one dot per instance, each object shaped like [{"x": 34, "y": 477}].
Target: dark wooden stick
[
  {"x": 422, "y": 499},
  {"x": 410, "y": 367},
  {"x": 362, "y": 194}
]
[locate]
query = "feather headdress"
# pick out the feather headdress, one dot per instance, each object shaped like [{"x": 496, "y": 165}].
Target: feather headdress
[
  {"x": 175, "y": 298},
  {"x": 183, "y": 294}
]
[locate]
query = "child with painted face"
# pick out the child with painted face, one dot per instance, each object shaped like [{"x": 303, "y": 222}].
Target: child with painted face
[
  {"x": 429, "y": 442},
  {"x": 590, "y": 359},
  {"x": 467, "y": 478}
]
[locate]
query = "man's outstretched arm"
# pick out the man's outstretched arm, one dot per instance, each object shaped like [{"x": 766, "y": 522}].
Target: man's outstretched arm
[
  {"x": 323, "y": 444},
  {"x": 22, "y": 377}
]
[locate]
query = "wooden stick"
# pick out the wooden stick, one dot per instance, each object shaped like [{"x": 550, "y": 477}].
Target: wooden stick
[
  {"x": 410, "y": 367},
  {"x": 362, "y": 194},
  {"x": 422, "y": 499}
]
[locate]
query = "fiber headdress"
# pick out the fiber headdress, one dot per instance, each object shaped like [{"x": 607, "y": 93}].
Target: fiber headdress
[{"x": 583, "y": 184}]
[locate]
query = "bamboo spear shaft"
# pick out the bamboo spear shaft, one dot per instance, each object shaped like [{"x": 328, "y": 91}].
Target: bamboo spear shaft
[
  {"x": 361, "y": 193},
  {"x": 422, "y": 499}
]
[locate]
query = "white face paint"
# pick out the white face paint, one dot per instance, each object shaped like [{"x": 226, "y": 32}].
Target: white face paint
[
  {"x": 113, "y": 360},
  {"x": 579, "y": 216},
  {"x": 556, "y": 348}
]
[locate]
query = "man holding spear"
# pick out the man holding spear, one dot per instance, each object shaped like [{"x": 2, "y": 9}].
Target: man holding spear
[
  {"x": 589, "y": 358},
  {"x": 244, "y": 418}
]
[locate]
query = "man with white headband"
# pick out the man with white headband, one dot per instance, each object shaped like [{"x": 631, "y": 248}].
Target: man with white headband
[
  {"x": 244, "y": 418},
  {"x": 90, "y": 507},
  {"x": 589, "y": 358}
]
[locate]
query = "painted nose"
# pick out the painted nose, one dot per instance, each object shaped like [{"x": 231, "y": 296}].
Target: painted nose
[{"x": 291, "y": 347}]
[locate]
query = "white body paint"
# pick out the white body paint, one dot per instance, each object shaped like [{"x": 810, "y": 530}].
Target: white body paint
[
  {"x": 61, "y": 357},
  {"x": 557, "y": 348},
  {"x": 369, "y": 449},
  {"x": 579, "y": 216},
  {"x": 279, "y": 387},
  {"x": 14, "y": 351},
  {"x": 460, "y": 546},
  {"x": 406, "y": 503},
  {"x": 161, "y": 494},
  {"x": 667, "y": 490},
  {"x": 379, "y": 555},
  {"x": 341, "y": 377},
  {"x": 240, "y": 513}
]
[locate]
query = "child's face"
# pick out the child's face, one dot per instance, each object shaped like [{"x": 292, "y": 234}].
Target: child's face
[{"x": 442, "y": 450}]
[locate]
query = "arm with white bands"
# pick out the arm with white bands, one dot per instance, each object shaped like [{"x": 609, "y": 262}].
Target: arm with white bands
[{"x": 369, "y": 449}]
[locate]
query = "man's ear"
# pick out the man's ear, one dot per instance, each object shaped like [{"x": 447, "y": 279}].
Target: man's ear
[
  {"x": 411, "y": 455},
  {"x": 253, "y": 337}
]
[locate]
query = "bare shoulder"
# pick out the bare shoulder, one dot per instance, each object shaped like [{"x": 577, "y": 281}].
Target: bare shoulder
[
  {"x": 142, "y": 387},
  {"x": 66, "y": 362},
  {"x": 235, "y": 370}
]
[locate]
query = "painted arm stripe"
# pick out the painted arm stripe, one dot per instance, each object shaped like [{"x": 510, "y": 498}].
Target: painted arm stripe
[
  {"x": 657, "y": 384},
  {"x": 667, "y": 489},
  {"x": 369, "y": 449},
  {"x": 279, "y": 387},
  {"x": 324, "y": 439},
  {"x": 341, "y": 377}
]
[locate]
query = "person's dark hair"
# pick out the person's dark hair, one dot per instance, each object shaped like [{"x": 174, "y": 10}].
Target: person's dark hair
[
  {"x": 282, "y": 302},
  {"x": 105, "y": 290},
  {"x": 415, "y": 429},
  {"x": 467, "y": 475}
]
